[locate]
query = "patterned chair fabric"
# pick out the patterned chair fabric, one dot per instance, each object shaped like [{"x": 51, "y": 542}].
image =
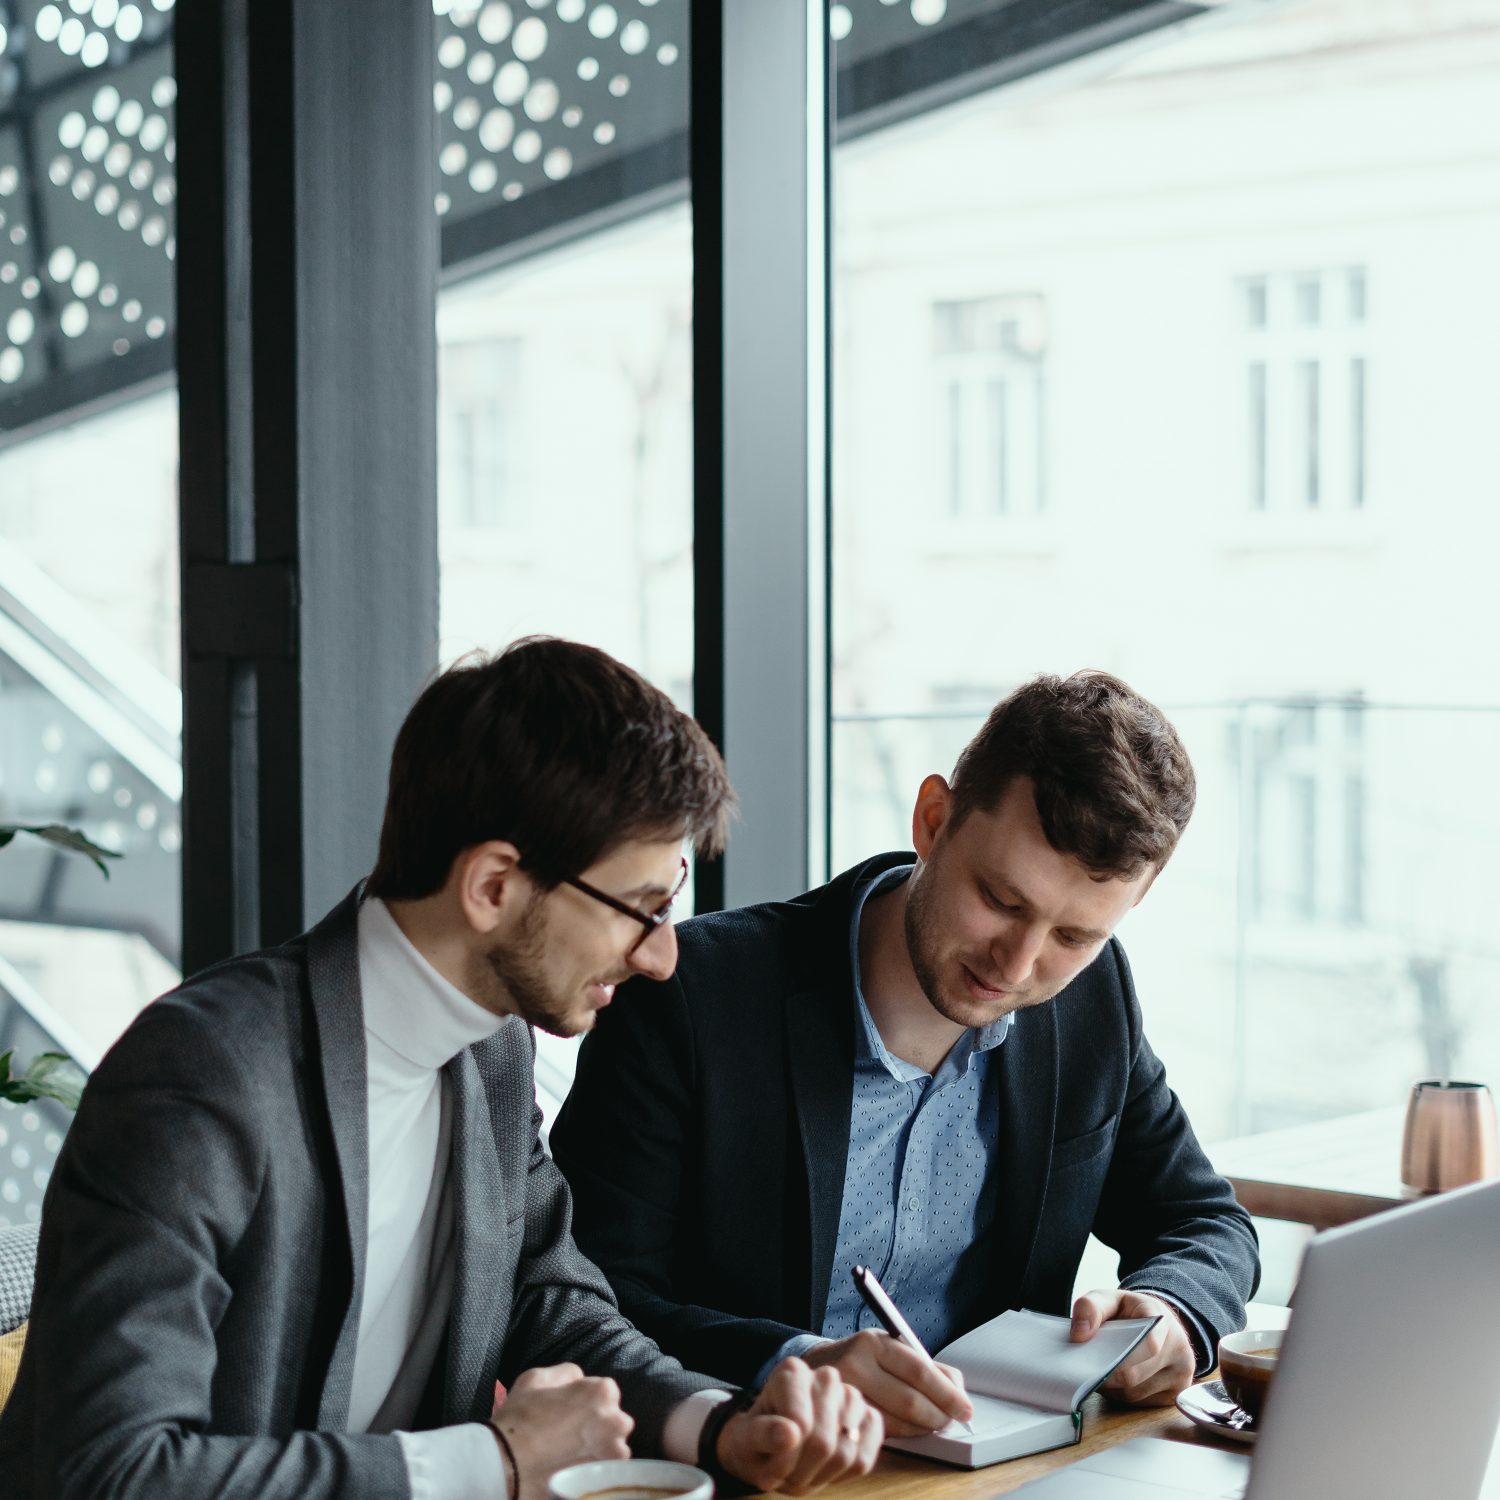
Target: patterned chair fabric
[{"x": 17, "y": 1268}]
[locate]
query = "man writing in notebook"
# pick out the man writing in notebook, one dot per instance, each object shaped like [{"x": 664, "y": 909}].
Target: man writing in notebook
[
  {"x": 303, "y": 1223},
  {"x": 934, "y": 1066}
]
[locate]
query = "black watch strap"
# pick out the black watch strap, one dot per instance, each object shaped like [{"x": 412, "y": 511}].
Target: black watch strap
[{"x": 718, "y": 1419}]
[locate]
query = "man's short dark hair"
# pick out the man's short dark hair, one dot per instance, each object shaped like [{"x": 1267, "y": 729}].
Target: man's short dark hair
[
  {"x": 555, "y": 747},
  {"x": 1114, "y": 785}
]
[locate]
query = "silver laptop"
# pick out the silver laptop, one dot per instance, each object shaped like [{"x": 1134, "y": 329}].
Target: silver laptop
[{"x": 1389, "y": 1385}]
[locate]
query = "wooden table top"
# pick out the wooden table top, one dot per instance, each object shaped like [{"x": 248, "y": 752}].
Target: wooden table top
[
  {"x": 1325, "y": 1174},
  {"x": 899, "y": 1476}
]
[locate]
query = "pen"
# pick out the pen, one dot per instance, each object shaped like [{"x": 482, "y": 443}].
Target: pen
[{"x": 878, "y": 1300}]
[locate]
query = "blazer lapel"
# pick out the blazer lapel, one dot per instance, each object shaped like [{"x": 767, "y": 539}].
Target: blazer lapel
[
  {"x": 1027, "y": 1080},
  {"x": 338, "y": 1014},
  {"x": 478, "y": 1319},
  {"x": 820, "y": 1047}
]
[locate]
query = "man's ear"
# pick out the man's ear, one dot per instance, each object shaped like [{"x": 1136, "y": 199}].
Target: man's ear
[
  {"x": 934, "y": 803},
  {"x": 489, "y": 884}
]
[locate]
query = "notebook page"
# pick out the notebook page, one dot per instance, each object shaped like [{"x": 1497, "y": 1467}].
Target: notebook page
[{"x": 1026, "y": 1357}]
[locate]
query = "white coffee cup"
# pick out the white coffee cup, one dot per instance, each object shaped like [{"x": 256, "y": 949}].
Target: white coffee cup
[{"x": 631, "y": 1479}]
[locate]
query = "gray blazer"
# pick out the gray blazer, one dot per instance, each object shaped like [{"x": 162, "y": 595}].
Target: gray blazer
[{"x": 201, "y": 1261}]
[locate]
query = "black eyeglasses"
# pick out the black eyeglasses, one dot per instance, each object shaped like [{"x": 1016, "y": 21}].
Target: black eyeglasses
[{"x": 650, "y": 920}]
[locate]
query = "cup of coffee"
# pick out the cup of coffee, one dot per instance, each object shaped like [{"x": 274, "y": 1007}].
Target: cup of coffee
[
  {"x": 630, "y": 1479},
  {"x": 1247, "y": 1363}
]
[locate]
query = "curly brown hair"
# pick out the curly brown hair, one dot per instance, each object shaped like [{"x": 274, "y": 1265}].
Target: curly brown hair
[{"x": 1114, "y": 785}]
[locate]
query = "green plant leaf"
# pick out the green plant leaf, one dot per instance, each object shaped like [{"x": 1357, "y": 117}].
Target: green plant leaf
[
  {"x": 52, "y": 1075},
  {"x": 5, "y": 1058},
  {"x": 60, "y": 837}
]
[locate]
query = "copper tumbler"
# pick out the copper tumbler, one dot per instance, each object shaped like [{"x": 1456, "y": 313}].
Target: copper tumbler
[{"x": 1450, "y": 1136}]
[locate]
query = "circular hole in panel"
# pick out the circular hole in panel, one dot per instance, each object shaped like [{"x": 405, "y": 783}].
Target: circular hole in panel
[
  {"x": 129, "y": 215},
  {"x": 604, "y": 132},
  {"x": 111, "y": 835},
  {"x": 528, "y": 146},
  {"x": 511, "y": 82},
  {"x": 164, "y": 91},
  {"x": 497, "y": 130},
  {"x": 165, "y": 190},
  {"x": 107, "y": 199},
  {"x": 145, "y": 816},
  {"x": 109, "y": 294},
  {"x": 635, "y": 36},
  {"x": 10, "y": 1190},
  {"x": 106, "y": 12},
  {"x": 128, "y": 121},
  {"x": 155, "y": 327},
  {"x": 74, "y": 319},
  {"x": 619, "y": 85},
  {"x": 85, "y": 279},
  {"x": 8, "y": 272},
  {"x": 840, "y": 22},
  {"x": 83, "y": 184},
  {"x": 588, "y": 68},
  {"x": 95, "y": 51},
  {"x": 569, "y": 10},
  {"x": 128, "y": 23},
  {"x": 153, "y": 132},
  {"x": 117, "y": 159},
  {"x": 928, "y": 12},
  {"x": 70, "y": 129},
  {"x": 511, "y": 191},
  {"x": 170, "y": 838},
  {"x": 95, "y": 143},
  {"x": 30, "y": 287},
  {"x": 106, "y": 103},
  {"x": 442, "y": 95},
  {"x": 20, "y": 326},
  {"x": 9, "y": 180},
  {"x": 482, "y": 67},
  {"x": 120, "y": 346},
  {"x": 572, "y": 116},
  {"x": 442, "y": 203},
  {"x": 48, "y": 23},
  {"x": 483, "y": 176},
  {"x": 530, "y": 40},
  {"x": 59, "y": 169},
  {"x": 162, "y": 4},
  {"x": 123, "y": 797},
  {"x": 99, "y": 776},
  {"x": 62, "y": 263},
  {"x": 12, "y": 365},
  {"x": 667, "y": 54},
  {"x": 154, "y": 230},
  {"x": 80, "y": 7},
  {"x": 494, "y": 23},
  {"x": 557, "y": 163},
  {"x": 602, "y": 21},
  {"x": 542, "y": 99},
  {"x": 453, "y": 158},
  {"x": 17, "y": 234},
  {"x": 466, "y": 113},
  {"x": 452, "y": 51}
]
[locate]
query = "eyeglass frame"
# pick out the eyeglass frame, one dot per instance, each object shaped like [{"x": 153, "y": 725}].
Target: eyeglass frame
[{"x": 651, "y": 921}]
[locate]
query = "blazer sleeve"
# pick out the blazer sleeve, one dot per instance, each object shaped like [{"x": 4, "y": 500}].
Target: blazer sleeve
[
  {"x": 564, "y": 1310},
  {"x": 627, "y": 1141},
  {"x": 152, "y": 1192},
  {"x": 1173, "y": 1219}
]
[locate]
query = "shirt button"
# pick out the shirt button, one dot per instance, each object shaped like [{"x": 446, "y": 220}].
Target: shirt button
[{"x": 913, "y": 1204}]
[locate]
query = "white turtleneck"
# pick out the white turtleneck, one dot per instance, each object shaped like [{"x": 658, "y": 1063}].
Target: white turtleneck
[{"x": 415, "y": 1024}]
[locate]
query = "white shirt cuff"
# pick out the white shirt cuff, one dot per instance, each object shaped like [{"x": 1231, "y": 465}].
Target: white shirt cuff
[
  {"x": 457, "y": 1463},
  {"x": 679, "y": 1438}
]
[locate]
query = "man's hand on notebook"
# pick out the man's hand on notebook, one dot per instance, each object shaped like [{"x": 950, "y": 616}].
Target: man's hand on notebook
[
  {"x": 1160, "y": 1366},
  {"x": 913, "y": 1396}
]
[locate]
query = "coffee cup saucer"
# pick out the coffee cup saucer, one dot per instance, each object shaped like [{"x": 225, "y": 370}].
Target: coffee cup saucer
[{"x": 1210, "y": 1406}]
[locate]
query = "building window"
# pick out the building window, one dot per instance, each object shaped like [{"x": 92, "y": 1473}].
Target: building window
[
  {"x": 479, "y": 469},
  {"x": 1306, "y": 381},
  {"x": 989, "y": 355},
  {"x": 1307, "y": 804}
]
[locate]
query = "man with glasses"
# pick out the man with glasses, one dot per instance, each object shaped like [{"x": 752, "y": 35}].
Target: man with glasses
[
  {"x": 934, "y": 1066},
  {"x": 303, "y": 1239}
]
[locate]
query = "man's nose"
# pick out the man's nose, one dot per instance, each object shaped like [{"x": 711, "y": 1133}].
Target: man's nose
[
  {"x": 1016, "y": 953},
  {"x": 656, "y": 957}
]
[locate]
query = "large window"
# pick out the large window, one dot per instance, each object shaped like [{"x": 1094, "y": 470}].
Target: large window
[{"x": 1204, "y": 311}]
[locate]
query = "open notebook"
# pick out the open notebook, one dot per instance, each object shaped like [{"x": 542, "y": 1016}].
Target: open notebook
[{"x": 1027, "y": 1383}]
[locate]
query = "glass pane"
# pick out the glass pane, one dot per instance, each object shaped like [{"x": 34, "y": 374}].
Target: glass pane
[
  {"x": 89, "y": 625},
  {"x": 1297, "y": 572},
  {"x": 565, "y": 424}
]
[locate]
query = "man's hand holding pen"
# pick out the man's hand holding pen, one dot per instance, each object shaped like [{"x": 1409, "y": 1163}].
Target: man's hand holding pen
[{"x": 913, "y": 1394}]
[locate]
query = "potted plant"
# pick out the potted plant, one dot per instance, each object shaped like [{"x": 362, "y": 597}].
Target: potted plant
[{"x": 49, "y": 1075}]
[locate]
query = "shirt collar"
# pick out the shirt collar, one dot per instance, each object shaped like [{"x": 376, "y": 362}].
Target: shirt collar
[
  {"x": 868, "y": 1047},
  {"x": 409, "y": 1006}
]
